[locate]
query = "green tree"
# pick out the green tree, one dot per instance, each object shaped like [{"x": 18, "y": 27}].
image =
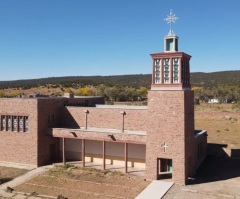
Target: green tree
[
  {"x": 68, "y": 90},
  {"x": 2, "y": 95},
  {"x": 86, "y": 91}
]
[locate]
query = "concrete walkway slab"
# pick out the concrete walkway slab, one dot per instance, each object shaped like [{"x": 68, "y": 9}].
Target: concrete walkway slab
[
  {"x": 155, "y": 190},
  {"x": 25, "y": 177},
  {"x": 17, "y": 165}
]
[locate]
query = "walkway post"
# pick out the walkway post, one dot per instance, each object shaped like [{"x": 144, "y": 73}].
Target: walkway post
[
  {"x": 83, "y": 152},
  {"x": 104, "y": 155},
  {"x": 63, "y": 151},
  {"x": 126, "y": 157}
]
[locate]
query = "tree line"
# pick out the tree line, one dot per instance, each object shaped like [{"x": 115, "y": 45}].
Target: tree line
[
  {"x": 111, "y": 93},
  {"x": 224, "y": 86},
  {"x": 205, "y": 80},
  {"x": 224, "y": 93}
]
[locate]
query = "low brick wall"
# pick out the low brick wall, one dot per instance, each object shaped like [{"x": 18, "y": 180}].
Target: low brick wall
[{"x": 135, "y": 119}]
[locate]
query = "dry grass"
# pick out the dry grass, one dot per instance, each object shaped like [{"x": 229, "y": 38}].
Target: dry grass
[
  {"x": 75, "y": 183},
  {"x": 8, "y": 173},
  {"x": 222, "y": 123}
]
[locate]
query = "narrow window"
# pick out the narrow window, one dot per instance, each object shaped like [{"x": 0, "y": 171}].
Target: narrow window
[
  {"x": 166, "y": 70},
  {"x": 157, "y": 65},
  {"x": 26, "y": 123},
  {"x": 15, "y": 123},
  {"x": 3, "y": 122},
  {"x": 9, "y": 123},
  {"x": 175, "y": 70},
  {"x": 21, "y": 129}
]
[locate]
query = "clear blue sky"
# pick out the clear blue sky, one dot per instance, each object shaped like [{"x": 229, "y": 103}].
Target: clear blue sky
[{"x": 50, "y": 38}]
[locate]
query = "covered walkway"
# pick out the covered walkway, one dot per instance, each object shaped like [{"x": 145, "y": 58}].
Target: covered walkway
[{"x": 102, "y": 138}]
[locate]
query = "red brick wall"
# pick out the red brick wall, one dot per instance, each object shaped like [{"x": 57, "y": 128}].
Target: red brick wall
[
  {"x": 46, "y": 108},
  {"x": 19, "y": 147},
  {"x": 33, "y": 147},
  {"x": 135, "y": 119},
  {"x": 170, "y": 122}
]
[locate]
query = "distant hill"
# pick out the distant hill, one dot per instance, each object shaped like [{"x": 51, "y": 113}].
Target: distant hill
[{"x": 230, "y": 78}]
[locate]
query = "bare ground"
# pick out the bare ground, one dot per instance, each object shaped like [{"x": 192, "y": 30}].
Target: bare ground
[
  {"x": 219, "y": 175},
  {"x": 222, "y": 123},
  {"x": 76, "y": 183},
  {"x": 8, "y": 173}
]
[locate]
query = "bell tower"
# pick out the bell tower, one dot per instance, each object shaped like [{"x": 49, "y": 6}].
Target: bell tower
[
  {"x": 171, "y": 113},
  {"x": 170, "y": 69}
]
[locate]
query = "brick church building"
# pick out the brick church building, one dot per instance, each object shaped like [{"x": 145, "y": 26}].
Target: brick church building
[{"x": 159, "y": 138}]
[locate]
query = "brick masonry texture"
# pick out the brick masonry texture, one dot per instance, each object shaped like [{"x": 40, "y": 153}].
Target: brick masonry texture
[
  {"x": 20, "y": 147},
  {"x": 169, "y": 118},
  {"x": 105, "y": 118}
]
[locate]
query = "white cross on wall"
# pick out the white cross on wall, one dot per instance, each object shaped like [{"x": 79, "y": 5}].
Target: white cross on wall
[{"x": 164, "y": 146}]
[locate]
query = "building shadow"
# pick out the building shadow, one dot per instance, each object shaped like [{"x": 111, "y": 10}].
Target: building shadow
[
  {"x": 4, "y": 180},
  {"x": 67, "y": 120},
  {"x": 235, "y": 153},
  {"x": 217, "y": 166}
]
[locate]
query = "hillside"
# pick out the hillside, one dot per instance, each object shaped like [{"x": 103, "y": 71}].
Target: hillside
[
  {"x": 206, "y": 80},
  {"x": 230, "y": 78}
]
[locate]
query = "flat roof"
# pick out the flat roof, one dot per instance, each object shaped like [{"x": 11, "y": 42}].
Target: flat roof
[
  {"x": 121, "y": 106},
  {"x": 59, "y": 98},
  {"x": 105, "y": 130}
]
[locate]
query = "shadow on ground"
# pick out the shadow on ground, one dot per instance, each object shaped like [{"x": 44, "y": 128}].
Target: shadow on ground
[
  {"x": 4, "y": 180},
  {"x": 217, "y": 166}
]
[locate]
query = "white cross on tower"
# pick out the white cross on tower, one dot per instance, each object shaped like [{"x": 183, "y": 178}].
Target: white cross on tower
[{"x": 164, "y": 146}]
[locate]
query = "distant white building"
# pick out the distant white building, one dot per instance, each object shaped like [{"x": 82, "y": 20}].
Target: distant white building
[{"x": 213, "y": 101}]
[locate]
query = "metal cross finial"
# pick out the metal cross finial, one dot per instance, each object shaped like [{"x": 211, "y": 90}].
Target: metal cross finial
[{"x": 171, "y": 18}]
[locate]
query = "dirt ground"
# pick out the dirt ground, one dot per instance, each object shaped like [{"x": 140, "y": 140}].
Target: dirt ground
[
  {"x": 219, "y": 175},
  {"x": 217, "y": 178},
  {"x": 8, "y": 173},
  {"x": 85, "y": 183},
  {"x": 222, "y": 123}
]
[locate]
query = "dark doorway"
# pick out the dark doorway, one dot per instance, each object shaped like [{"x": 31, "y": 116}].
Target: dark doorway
[{"x": 164, "y": 168}]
